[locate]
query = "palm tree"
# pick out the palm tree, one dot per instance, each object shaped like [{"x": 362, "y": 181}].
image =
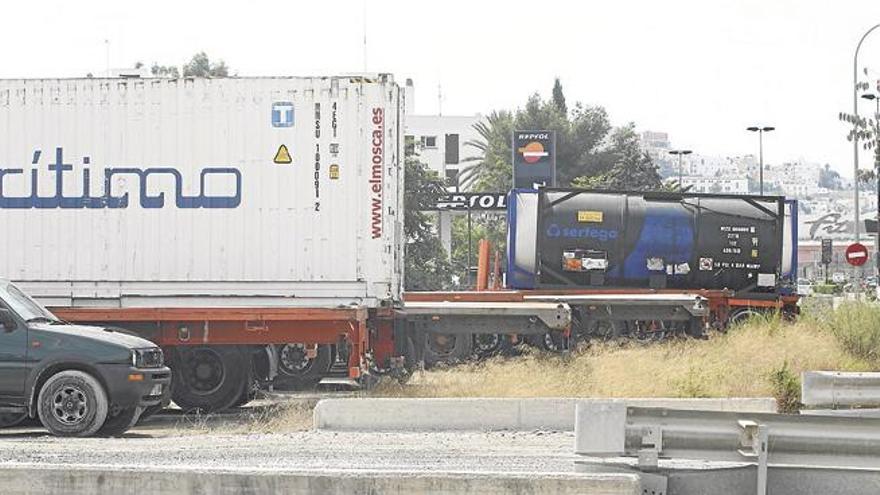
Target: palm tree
[{"x": 490, "y": 168}]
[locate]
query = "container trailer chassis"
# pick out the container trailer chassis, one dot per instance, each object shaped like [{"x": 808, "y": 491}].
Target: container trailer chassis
[{"x": 221, "y": 356}]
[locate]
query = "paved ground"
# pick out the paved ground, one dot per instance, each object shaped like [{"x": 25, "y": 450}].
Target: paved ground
[
  {"x": 239, "y": 442},
  {"x": 310, "y": 450}
]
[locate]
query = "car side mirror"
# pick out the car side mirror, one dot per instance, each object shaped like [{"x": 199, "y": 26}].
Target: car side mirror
[{"x": 6, "y": 320}]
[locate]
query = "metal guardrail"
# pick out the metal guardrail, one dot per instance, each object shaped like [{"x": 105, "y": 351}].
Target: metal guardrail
[
  {"x": 815, "y": 441},
  {"x": 839, "y": 389}
]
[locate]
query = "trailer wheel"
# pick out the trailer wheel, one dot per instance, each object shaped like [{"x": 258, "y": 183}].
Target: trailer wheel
[
  {"x": 209, "y": 378},
  {"x": 604, "y": 330},
  {"x": 491, "y": 344},
  {"x": 741, "y": 315},
  {"x": 549, "y": 342},
  {"x": 446, "y": 348},
  {"x": 297, "y": 371}
]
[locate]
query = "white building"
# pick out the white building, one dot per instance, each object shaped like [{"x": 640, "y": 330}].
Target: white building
[
  {"x": 717, "y": 185},
  {"x": 439, "y": 141}
]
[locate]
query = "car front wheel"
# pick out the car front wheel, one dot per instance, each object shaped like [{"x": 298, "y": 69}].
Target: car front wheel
[{"x": 72, "y": 404}]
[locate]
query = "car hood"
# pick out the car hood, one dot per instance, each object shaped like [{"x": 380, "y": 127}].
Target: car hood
[{"x": 99, "y": 334}]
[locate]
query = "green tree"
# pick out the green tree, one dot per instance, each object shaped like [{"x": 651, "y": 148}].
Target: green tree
[
  {"x": 489, "y": 169},
  {"x": 489, "y": 226},
  {"x": 866, "y": 130},
  {"x": 165, "y": 71},
  {"x": 198, "y": 66},
  {"x": 625, "y": 165},
  {"x": 587, "y": 146},
  {"x": 427, "y": 265},
  {"x": 828, "y": 178},
  {"x": 201, "y": 66},
  {"x": 559, "y": 98},
  {"x": 582, "y": 149}
]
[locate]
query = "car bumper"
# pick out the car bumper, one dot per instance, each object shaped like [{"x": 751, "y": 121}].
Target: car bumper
[{"x": 128, "y": 386}]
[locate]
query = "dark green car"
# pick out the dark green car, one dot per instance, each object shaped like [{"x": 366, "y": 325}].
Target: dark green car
[{"x": 78, "y": 380}]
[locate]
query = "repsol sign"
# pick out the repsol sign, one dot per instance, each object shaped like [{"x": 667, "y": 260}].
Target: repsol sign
[
  {"x": 12, "y": 179},
  {"x": 472, "y": 201}
]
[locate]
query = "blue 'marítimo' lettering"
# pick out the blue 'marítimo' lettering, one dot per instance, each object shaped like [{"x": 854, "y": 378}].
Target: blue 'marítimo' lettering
[{"x": 108, "y": 200}]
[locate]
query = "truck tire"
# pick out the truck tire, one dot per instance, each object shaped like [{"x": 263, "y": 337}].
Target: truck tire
[
  {"x": 208, "y": 378},
  {"x": 491, "y": 344},
  {"x": 8, "y": 420},
  {"x": 548, "y": 342},
  {"x": 446, "y": 348},
  {"x": 296, "y": 371},
  {"x": 121, "y": 422},
  {"x": 247, "y": 395},
  {"x": 742, "y": 315},
  {"x": 72, "y": 404}
]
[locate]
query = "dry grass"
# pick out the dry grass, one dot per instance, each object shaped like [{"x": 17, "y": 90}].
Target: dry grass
[
  {"x": 282, "y": 417},
  {"x": 761, "y": 358},
  {"x": 756, "y": 359}
]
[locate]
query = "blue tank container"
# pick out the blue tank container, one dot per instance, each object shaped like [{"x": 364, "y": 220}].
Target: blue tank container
[{"x": 565, "y": 238}]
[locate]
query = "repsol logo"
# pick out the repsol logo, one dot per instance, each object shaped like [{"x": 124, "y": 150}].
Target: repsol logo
[
  {"x": 108, "y": 198},
  {"x": 555, "y": 231},
  {"x": 533, "y": 135}
]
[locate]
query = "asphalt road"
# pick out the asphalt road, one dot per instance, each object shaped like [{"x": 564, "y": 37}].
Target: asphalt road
[{"x": 157, "y": 447}]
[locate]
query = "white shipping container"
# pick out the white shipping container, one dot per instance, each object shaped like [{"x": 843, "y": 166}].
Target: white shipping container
[{"x": 197, "y": 192}]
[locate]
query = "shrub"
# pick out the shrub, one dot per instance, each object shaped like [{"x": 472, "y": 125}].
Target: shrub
[
  {"x": 857, "y": 327},
  {"x": 786, "y": 388}
]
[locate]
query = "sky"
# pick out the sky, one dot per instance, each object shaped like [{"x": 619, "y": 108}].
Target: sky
[{"x": 700, "y": 70}]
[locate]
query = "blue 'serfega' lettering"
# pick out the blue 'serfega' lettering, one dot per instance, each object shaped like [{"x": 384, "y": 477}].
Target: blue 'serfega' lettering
[
  {"x": 108, "y": 200},
  {"x": 554, "y": 230}
]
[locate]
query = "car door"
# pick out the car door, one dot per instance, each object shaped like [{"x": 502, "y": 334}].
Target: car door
[{"x": 13, "y": 360}]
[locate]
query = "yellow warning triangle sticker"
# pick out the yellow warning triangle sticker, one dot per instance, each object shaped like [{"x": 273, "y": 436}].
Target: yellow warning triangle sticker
[{"x": 282, "y": 156}]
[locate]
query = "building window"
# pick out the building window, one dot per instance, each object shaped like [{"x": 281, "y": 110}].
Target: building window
[
  {"x": 451, "y": 149},
  {"x": 452, "y": 178},
  {"x": 429, "y": 142}
]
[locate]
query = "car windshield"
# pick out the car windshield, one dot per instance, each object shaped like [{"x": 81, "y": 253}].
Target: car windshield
[{"x": 21, "y": 303}]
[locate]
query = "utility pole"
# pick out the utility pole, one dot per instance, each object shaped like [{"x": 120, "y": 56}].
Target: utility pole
[
  {"x": 365, "y": 35},
  {"x": 680, "y": 153},
  {"x": 107, "y": 55},
  {"x": 876, "y": 99},
  {"x": 855, "y": 90},
  {"x": 760, "y": 131}
]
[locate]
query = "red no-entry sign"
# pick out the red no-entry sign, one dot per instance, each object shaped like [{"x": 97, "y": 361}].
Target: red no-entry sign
[{"x": 856, "y": 254}]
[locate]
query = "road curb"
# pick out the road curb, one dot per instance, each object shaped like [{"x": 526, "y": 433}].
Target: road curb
[
  {"x": 83, "y": 480},
  {"x": 377, "y": 414}
]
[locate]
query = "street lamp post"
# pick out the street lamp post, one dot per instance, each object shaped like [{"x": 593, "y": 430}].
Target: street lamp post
[
  {"x": 855, "y": 88},
  {"x": 680, "y": 153},
  {"x": 876, "y": 99},
  {"x": 760, "y": 131}
]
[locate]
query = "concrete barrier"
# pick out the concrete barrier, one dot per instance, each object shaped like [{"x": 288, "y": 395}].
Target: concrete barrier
[
  {"x": 73, "y": 480},
  {"x": 491, "y": 414}
]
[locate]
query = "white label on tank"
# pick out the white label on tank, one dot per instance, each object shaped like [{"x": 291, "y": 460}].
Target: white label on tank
[
  {"x": 655, "y": 264},
  {"x": 594, "y": 263},
  {"x": 766, "y": 279}
]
